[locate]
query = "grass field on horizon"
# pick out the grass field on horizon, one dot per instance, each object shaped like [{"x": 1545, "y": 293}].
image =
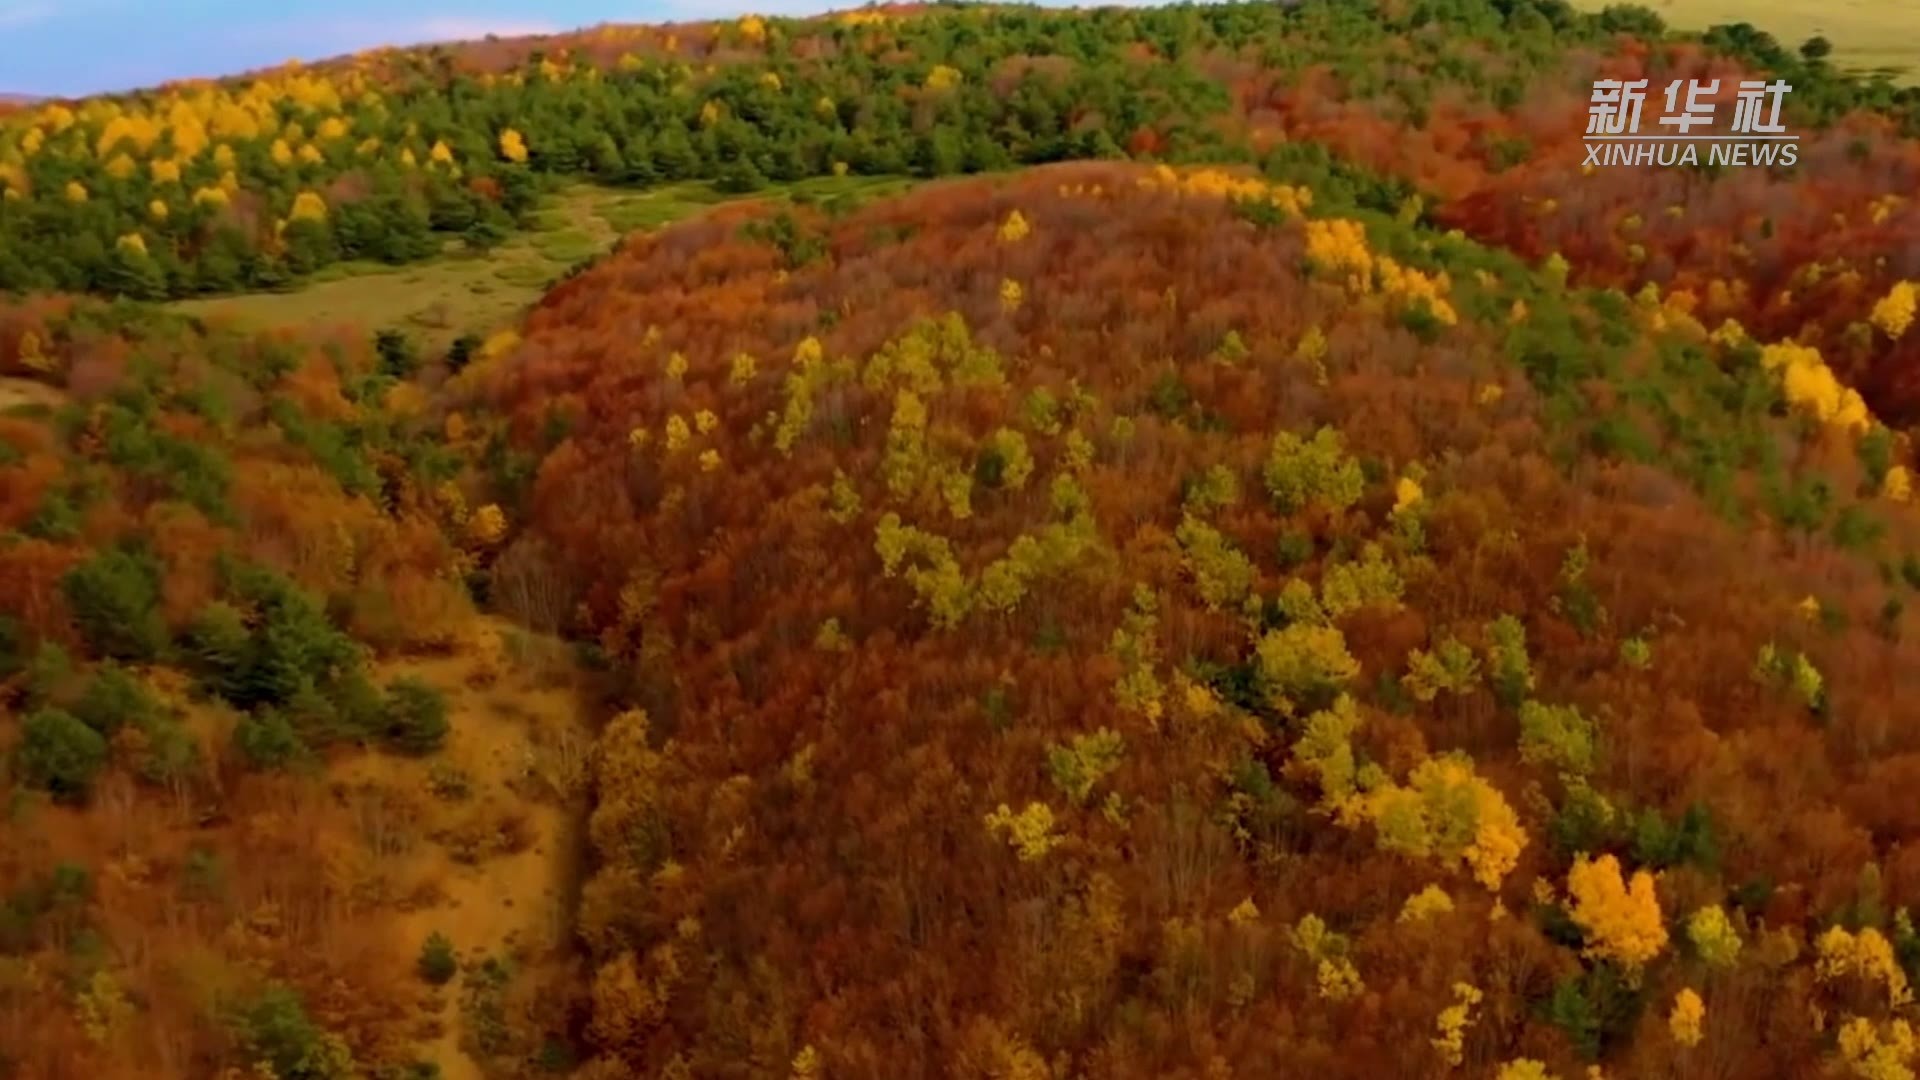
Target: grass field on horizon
[
  {"x": 463, "y": 292},
  {"x": 1867, "y": 35}
]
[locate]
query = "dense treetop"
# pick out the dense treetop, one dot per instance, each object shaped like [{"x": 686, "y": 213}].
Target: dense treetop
[
  {"x": 1347, "y": 593},
  {"x": 1167, "y": 624},
  {"x": 254, "y": 182}
]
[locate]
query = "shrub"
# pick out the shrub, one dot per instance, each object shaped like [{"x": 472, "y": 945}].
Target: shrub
[
  {"x": 268, "y": 741},
  {"x": 115, "y": 599},
  {"x": 115, "y": 699},
  {"x": 437, "y": 963},
  {"x": 416, "y": 717},
  {"x": 60, "y": 754}
]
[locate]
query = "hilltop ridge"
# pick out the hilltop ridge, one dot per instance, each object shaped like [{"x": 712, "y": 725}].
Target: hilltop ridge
[{"x": 1108, "y": 548}]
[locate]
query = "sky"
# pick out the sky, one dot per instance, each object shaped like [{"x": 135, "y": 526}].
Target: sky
[{"x": 72, "y": 47}]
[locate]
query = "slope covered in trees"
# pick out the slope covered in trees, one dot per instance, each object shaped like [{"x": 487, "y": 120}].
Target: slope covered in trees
[
  {"x": 1112, "y": 622},
  {"x": 208, "y": 187},
  {"x": 235, "y": 638},
  {"x": 1384, "y": 603}
]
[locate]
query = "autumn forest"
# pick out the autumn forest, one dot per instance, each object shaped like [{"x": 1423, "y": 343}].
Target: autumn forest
[{"x": 961, "y": 540}]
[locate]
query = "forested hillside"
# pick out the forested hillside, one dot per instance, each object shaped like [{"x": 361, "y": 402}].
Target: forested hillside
[
  {"x": 1332, "y": 588},
  {"x": 1104, "y": 623},
  {"x": 1480, "y": 104},
  {"x": 235, "y": 788}
]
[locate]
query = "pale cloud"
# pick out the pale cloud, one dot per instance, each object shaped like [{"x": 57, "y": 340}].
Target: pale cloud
[
  {"x": 26, "y": 14},
  {"x": 317, "y": 36},
  {"x": 466, "y": 28},
  {"x": 694, "y": 10}
]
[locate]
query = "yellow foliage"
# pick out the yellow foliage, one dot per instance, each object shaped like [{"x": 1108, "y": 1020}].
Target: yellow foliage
[
  {"x": 1713, "y": 936},
  {"x": 141, "y": 131},
  {"x": 441, "y": 154},
  {"x": 499, "y": 344},
  {"x": 1523, "y": 1069},
  {"x": 1337, "y": 245},
  {"x": 164, "y": 172},
  {"x": 1689, "y": 1012},
  {"x": 676, "y": 366},
  {"x": 709, "y": 460},
  {"x": 281, "y": 153},
  {"x": 487, "y": 525},
  {"x": 512, "y": 146},
  {"x": 1299, "y": 659},
  {"x": 1337, "y": 979},
  {"x": 1869, "y": 1055},
  {"x": 942, "y": 77},
  {"x": 1244, "y": 913},
  {"x": 33, "y": 358},
  {"x": 677, "y": 434},
  {"x": 210, "y": 196},
  {"x": 1898, "y": 484},
  {"x": 1406, "y": 494},
  {"x": 752, "y": 27},
  {"x": 132, "y": 244},
  {"x": 1220, "y": 184},
  {"x": 1621, "y": 920},
  {"x": 76, "y": 192},
  {"x": 1409, "y": 286},
  {"x": 57, "y": 118},
  {"x": 1030, "y": 832},
  {"x": 1867, "y": 954},
  {"x": 704, "y": 421},
  {"x": 308, "y": 206},
  {"x": 1811, "y": 386},
  {"x": 1011, "y": 295},
  {"x": 103, "y": 1008},
  {"x": 1893, "y": 314},
  {"x": 1013, "y": 229},
  {"x": 1453, "y": 1022},
  {"x": 311, "y": 155},
  {"x": 1425, "y": 904},
  {"x": 157, "y": 210}
]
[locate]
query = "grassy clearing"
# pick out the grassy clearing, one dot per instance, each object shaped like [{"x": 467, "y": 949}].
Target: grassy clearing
[
  {"x": 1867, "y": 35},
  {"x": 461, "y": 292}
]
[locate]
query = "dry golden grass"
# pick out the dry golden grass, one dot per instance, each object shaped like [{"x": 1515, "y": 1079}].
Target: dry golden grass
[{"x": 1867, "y": 35}]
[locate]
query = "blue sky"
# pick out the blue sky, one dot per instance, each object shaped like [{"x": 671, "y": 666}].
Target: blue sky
[{"x": 67, "y": 47}]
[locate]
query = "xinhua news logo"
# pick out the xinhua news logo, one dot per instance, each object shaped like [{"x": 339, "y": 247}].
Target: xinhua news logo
[{"x": 1757, "y": 137}]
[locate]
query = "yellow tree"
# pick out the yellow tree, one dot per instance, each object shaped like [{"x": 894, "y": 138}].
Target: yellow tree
[
  {"x": 1621, "y": 919},
  {"x": 1894, "y": 311},
  {"x": 512, "y": 146},
  {"x": 1684, "y": 1022},
  {"x": 1713, "y": 936}
]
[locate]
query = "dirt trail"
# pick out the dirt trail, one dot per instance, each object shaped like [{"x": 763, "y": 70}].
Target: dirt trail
[{"x": 495, "y": 849}]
